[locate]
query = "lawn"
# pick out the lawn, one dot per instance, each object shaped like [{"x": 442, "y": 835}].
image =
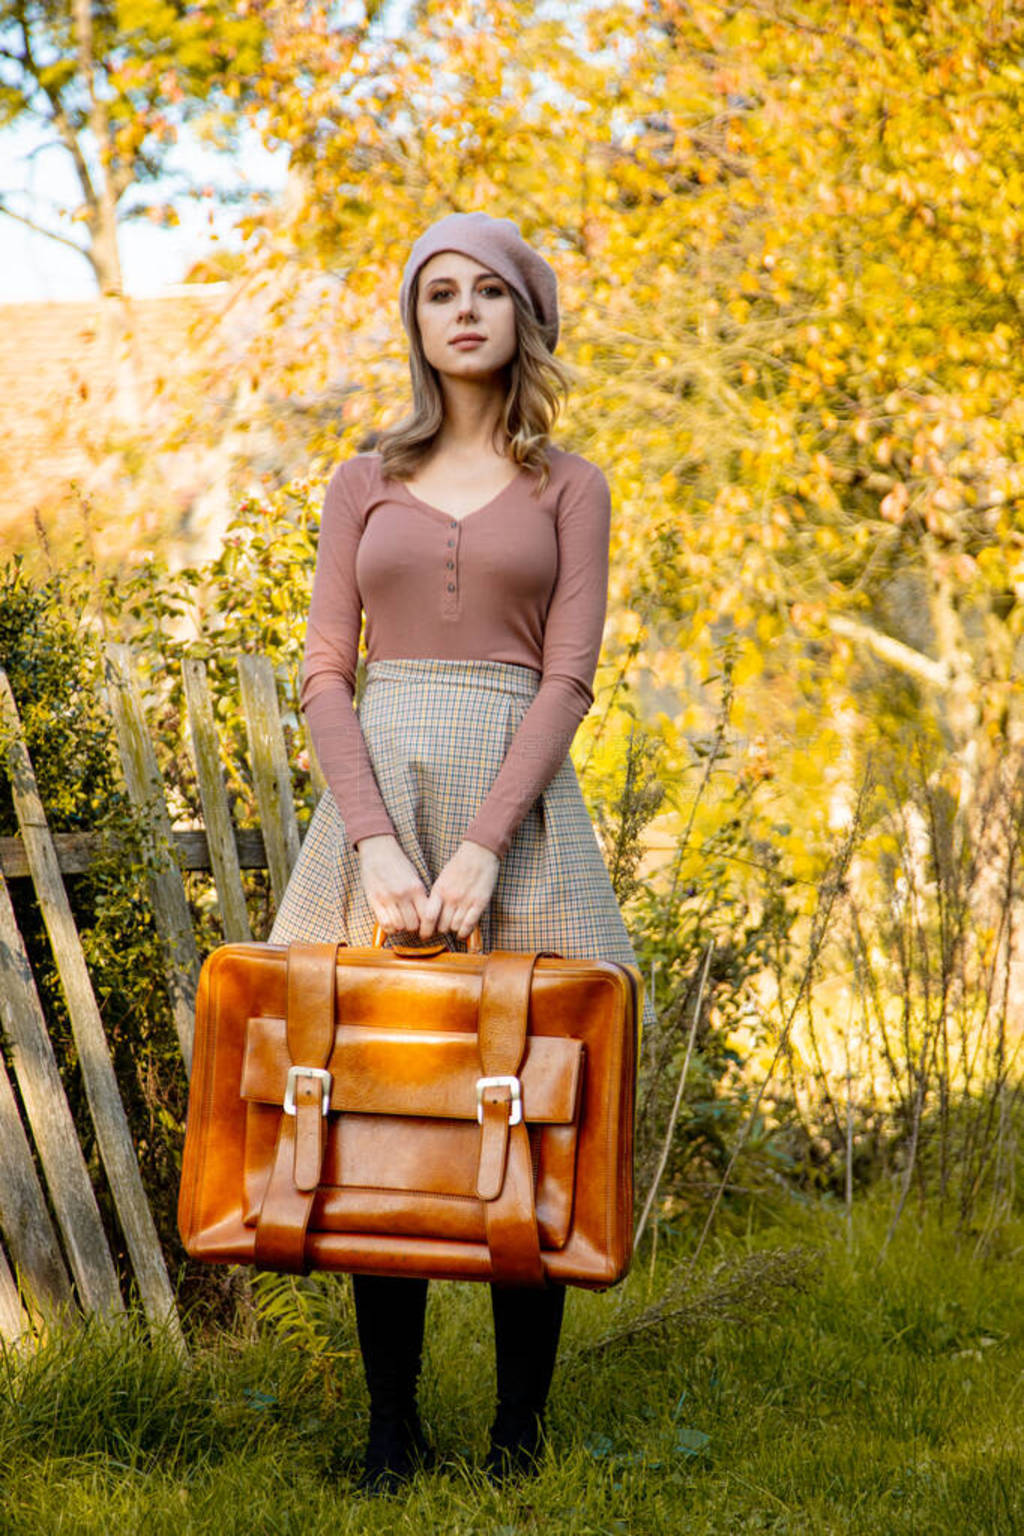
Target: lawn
[{"x": 796, "y": 1384}]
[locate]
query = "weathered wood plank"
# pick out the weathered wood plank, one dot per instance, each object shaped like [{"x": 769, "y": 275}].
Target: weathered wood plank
[
  {"x": 24, "y": 1218},
  {"x": 216, "y": 814},
  {"x": 13, "y": 1321},
  {"x": 167, "y": 891},
  {"x": 271, "y": 774},
  {"x": 51, "y": 1122},
  {"x": 112, "y": 1130},
  {"x": 78, "y": 851}
]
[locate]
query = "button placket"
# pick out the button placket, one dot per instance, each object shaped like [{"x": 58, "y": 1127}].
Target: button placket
[{"x": 450, "y": 580}]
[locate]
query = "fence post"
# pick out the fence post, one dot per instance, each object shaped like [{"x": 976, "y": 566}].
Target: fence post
[
  {"x": 27, "y": 1228},
  {"x": 112, "y": 1130},
  {"x": 167, "y": 889},
  {"x": 270, "y": 770},
  {"x": 51, "y": 1123},
  {"x": 220, "y": 837}
]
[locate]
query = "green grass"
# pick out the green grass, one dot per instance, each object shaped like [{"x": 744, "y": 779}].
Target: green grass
[{"x": 810, "y": 1393}]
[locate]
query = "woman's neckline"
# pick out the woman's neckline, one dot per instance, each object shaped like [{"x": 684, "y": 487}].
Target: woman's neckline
[{"x": 460, "y": 517}]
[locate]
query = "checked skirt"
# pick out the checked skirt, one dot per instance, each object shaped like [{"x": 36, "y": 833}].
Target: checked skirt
[{"x": 437, "y": 732}]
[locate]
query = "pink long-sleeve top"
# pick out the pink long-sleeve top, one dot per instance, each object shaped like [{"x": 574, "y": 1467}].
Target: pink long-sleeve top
[{"x": 523, "y": 578}]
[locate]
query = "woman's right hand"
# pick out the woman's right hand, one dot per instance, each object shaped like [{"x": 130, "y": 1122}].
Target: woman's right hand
[{"x": 396, "y": 895}]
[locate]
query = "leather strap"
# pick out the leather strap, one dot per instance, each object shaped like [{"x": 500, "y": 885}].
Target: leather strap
[
  {"x": 505, "y": 1174},
  {"x": 301, "y": 1138}
]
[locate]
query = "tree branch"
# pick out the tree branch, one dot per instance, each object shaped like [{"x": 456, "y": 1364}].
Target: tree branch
[
  {"x": 775, "y": 13},
  {"x": 934, "y": 674},
  {"x": 41, "y": 230},
  {"x": 60, "y": 119}
]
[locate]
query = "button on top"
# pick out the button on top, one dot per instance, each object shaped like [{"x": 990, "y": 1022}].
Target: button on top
[{"x": 454, "y": 522}]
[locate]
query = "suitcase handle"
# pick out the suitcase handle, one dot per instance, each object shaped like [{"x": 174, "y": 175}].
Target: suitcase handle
[{"x": 474, "y": 945}]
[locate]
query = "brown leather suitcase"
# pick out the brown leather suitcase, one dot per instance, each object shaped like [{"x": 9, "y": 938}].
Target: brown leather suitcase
[{"x": 417, "y": 1111}]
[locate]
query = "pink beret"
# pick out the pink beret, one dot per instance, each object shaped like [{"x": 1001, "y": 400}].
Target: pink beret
[{"x": 497, "y": 244}]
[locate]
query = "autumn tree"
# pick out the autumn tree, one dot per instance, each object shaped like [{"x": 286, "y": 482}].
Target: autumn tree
[
  {"x": 111, "y": 84},
  {"x": 864, "y": 229}
]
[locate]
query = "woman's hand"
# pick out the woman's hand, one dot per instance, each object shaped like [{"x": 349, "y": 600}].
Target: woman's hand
[
  {"x": 461, "y": 891},
  {"x": 396, "y": 895}
]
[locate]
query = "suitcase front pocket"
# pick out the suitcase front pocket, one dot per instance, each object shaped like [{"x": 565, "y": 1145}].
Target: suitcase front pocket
[{"x": 403, "y": 1142}]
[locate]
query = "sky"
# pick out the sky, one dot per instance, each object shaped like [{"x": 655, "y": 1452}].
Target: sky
[{"x": 153, "y": 258}]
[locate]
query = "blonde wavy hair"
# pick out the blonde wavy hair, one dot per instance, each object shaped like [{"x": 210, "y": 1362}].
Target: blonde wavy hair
[{"x": 538, "y": 385}]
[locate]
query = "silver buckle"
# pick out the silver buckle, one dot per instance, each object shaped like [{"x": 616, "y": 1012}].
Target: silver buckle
[
  {"x": 515, "y": 1089},
  {"x": 322, "y": 1077}
]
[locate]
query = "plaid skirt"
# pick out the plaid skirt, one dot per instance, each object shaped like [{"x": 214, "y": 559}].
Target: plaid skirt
[{"x": 437, "y": 732}]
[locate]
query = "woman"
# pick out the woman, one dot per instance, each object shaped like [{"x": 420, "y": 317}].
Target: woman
[{"x": 479, "y": 553}]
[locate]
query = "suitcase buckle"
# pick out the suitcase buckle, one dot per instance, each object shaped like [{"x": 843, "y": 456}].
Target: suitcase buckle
[
  {"x": 515, "y": 1089},
  {"x": 322, "y": 1077}
]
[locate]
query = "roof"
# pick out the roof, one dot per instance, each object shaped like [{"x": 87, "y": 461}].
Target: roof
[
  {"x": 76, "y": 374},
  {"x": 145, "y": 417}
]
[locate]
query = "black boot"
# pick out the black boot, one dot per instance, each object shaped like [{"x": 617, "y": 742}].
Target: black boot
[
  {"x": 390, "y": 1311},
  {"x": 527, "y": 1324}
]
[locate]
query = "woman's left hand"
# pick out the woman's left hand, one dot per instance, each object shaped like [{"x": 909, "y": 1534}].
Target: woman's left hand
[{"x": 461, "y": 891}]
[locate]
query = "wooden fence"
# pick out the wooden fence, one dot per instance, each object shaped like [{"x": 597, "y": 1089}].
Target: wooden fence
[{"x": 54, "y": 1252}]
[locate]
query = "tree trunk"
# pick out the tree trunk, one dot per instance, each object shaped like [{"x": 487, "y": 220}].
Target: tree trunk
[{"x": 101, "y": 200}]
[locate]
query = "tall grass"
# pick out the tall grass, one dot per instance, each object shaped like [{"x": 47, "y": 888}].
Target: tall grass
[
  {"x": 912, "y": 1041},
  {"x": 870, "y": 1026},
  {"x": 796, "y": 1383}
]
